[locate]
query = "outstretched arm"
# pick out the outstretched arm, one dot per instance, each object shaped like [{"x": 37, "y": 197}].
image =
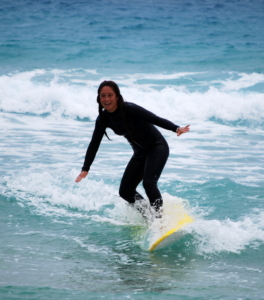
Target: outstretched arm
[
  {"x": 181, "y": 130},
  {"x": 91, "y": 151},
  {"x": 141, "y": 113}
]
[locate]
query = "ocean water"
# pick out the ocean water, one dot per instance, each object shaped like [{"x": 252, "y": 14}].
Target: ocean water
[{"x": 192, "y": 62}]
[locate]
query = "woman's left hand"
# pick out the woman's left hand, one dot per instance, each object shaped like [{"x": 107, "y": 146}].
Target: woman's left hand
[{"x": 182, "y": 130}]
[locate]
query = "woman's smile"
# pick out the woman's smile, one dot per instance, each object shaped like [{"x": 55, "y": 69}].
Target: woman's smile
[{"x": 108, "y": 99}]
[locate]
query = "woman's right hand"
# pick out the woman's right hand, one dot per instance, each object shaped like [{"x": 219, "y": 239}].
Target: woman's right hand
[{"x": 82, "y": 175}]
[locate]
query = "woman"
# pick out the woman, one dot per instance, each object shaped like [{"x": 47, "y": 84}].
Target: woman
[{"x": 136, "y": 124}]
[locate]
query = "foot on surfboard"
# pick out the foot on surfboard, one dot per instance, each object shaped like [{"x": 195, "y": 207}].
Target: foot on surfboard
[
  {"x": 142, "y": 206},
  {"x": 157, "y": 208},
  {"x": 149, "y": 212}
]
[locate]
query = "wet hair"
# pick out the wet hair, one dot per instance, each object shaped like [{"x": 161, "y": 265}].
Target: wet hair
[{"x": 120, "y": 101}]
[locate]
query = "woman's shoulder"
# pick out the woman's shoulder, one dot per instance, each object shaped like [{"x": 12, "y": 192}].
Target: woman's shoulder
[
  {"x": 132, "y": 106},
  {"x": 135, "y": 108}
]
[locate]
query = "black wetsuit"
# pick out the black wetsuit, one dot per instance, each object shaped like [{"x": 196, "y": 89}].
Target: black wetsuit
[{"x": 151, "y": 150}]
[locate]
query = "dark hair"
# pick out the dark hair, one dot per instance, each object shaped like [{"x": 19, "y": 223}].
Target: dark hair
[{"x": 120, "y": 102}]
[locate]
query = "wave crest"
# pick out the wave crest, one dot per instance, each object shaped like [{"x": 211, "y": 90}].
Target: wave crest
[{"x": 72, "y": 94}]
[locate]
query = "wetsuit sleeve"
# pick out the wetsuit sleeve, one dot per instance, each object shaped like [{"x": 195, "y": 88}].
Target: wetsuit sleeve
[
  {"x": 93, "y": 146},
  {"x": 141, "y": 113}
]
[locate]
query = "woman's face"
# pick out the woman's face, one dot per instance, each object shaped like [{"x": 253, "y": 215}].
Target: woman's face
[{"x": 108, "y": 99}]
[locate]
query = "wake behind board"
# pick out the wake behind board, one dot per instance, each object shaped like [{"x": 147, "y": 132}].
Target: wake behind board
[{"x": 170, "y": 227}]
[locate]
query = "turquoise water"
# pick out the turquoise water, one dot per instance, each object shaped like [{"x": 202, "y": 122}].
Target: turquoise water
[{"x": 193, "y": 62}]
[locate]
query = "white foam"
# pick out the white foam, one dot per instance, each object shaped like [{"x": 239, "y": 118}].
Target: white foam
[
  {"x": 211, "y": 236},
  {"x": 45, "y": 187},
  {"x": 21, "y": 94},
  {"x": 55, "y": 195},
  {"x": 58, "y": 196},
  {"x": 244, "y": 81},
  {"x": 215, "y": 236},
  {"x": 54, "y": 95}
]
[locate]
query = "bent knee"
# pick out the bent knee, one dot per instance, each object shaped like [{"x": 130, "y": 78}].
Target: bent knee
[
  {"x": 122, "y": 193},
  {"x": 126, "y": 195}
]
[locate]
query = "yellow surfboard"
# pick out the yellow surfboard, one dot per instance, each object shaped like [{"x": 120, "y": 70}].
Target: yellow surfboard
[
  {"x": 174, "y": 219},
  {"x": 172, "y": 235}
]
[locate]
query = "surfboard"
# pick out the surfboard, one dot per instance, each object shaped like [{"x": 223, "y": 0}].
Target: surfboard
[
  {"x": 169, "y": 228},
  {"x": 171, "y": 236}
]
